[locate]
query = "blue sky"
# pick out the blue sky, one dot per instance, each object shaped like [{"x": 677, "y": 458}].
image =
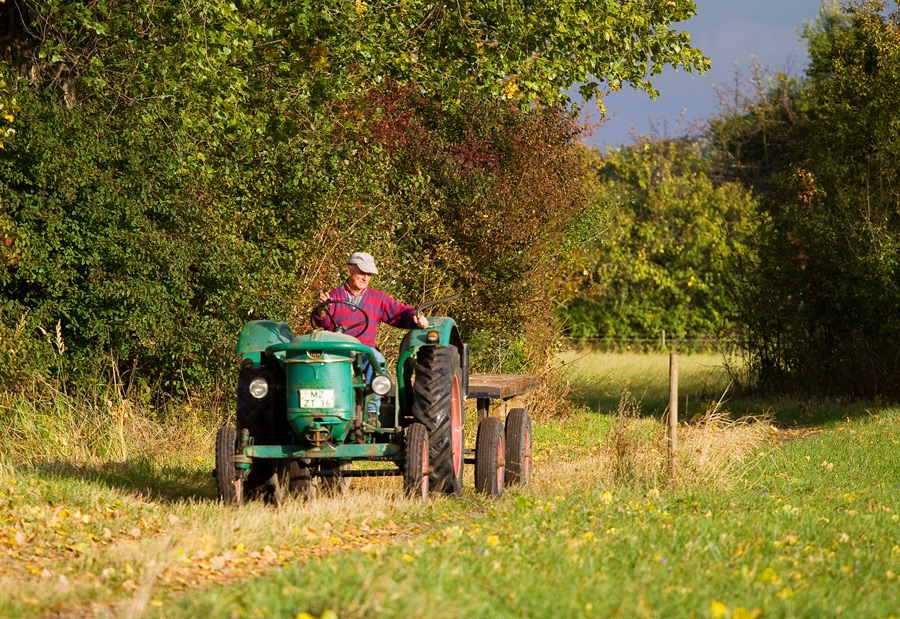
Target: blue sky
[{"x": 729, "y": 33}]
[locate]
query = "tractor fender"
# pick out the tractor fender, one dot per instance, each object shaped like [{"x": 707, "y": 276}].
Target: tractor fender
[
  {"x": 257, "y": 335},
  {"x": 448, "y": 335}
]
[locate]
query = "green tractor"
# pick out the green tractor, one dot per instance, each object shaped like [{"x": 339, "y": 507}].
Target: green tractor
[{"x": 303, "y": 414}]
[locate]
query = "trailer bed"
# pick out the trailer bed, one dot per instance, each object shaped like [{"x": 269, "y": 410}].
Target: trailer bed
[{"x": 487, "y": 387}]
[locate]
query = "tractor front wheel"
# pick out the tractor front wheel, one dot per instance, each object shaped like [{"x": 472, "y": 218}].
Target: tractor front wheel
[
  {"x": 438, "y": 405},
  {"x": 490, "y": 458},
  {"x": 292, "y": 478},
  {"x": 333, "y": 482},
  {"x": 415, "y": 467},
  {"x": 231, "y": 487},
  {"x": 301, "y": 483}
]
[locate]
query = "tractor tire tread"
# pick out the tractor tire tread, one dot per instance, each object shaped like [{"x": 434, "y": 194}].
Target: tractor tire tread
[
  {"x": 226, "y": 443},
  {"x": 435, "y": 368},
  {"x": 518, "y": 447},
  {"x": 489, "y": 443}
]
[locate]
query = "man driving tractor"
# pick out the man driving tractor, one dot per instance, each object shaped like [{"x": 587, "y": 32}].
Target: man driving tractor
[{"x": 376, "y": 305}]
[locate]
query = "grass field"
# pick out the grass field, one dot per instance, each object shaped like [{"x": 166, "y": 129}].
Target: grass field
[
  {"x": 755, "y": 523},
  {"x": 598, "y": 379},
  {"x": 705, "y": 381},
  {"x": 812, "y": 534}
]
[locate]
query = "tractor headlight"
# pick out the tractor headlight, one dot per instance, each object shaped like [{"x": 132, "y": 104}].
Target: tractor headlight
[
  {"x": 382, "y": 384},
  {"x": 432, "y": 337},
  {"x": 258, "y": 388}
]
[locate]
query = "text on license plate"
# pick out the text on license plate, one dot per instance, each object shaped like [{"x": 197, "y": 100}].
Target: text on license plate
[{"x": 317, "y": 398}]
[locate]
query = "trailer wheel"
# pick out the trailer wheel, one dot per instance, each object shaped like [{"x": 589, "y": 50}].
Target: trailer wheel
[
  {"x": 518, "y": 447},
  {"x": 333, "y": 482},
  {"x": 438, "y": 405},
  {"x": 415, "y": 467},
  {"x": 231, "y": 487},
  {"x": 490, "y": 458}
]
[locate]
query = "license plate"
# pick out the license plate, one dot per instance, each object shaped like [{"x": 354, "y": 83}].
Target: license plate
[{"x": 317, "y": 398}]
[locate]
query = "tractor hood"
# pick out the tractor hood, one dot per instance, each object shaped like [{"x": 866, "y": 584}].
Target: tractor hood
[
  {"x": 325, "y": 342},
  {"x": 320, "y": 381}
]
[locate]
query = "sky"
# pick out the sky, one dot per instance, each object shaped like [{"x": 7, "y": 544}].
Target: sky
[{"x": 732, "y": 34}]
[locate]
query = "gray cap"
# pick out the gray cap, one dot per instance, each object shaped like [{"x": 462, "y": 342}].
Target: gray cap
[{"x": 364, "y": 262}]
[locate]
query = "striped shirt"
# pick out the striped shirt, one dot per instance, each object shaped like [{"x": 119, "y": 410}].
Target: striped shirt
[{"x": 378, "y": 306}]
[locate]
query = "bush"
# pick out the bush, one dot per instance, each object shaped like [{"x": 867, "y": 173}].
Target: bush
[
  {"x": 139, "y": 253},
  {"x": 666, "y": 258},
  {"x": 820, "y": 301}
]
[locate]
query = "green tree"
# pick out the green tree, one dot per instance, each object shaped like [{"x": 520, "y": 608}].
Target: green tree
[
  {"x": 185, "y": 167},
  {"x": 820, "y": 302},
  {"x": 666, "y": 257},
  {"x": 210, "y": 58}
]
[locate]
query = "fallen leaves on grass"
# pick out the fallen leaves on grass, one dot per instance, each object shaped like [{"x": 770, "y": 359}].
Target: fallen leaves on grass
[
  {"x": 204, "y": 564},
  {"x": 131, "y": 545},
  {"x": 32, "y": 535}
]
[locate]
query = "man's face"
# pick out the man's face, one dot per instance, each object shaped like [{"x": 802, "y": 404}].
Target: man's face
[{"x": 358, "y": 280}]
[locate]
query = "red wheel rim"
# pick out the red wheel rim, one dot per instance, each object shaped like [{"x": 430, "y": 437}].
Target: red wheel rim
[
  {"x": 500, "y": 469},
  {"x": 456, "y": 428},
  {"x": 239, "y": 490},
  {"x": 423, "y": 490}
]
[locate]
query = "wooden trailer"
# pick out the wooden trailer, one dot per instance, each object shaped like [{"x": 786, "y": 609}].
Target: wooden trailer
[{"x": 503, "y": 452}]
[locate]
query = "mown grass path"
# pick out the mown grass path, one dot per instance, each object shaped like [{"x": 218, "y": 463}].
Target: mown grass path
[{"x": 803, "y": 524}]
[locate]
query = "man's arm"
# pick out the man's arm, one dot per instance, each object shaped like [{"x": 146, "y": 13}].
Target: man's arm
[{"x": 399, "y": 314}]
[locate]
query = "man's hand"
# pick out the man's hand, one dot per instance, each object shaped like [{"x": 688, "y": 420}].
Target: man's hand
[
  {"x": 320, "y": 308},
  {"x": 421, "y": 321}
]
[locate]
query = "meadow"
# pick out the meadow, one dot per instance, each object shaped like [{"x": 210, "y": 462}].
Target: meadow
[{"x": 762, "y": 517}]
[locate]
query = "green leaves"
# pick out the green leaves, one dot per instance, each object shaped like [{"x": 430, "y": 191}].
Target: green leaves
[
  {"x": 213, "y": 62},
  {"x": 8, "y": 108},
  {"x": 281, "y": 135},
  {"x": 665, "y": 258},
  {"x": 819, "y": 301}
]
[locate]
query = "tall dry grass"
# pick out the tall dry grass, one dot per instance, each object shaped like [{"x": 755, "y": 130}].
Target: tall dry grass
[
  {"x": 110, "y": 423},
  {"x": 631, "y": 450},
  {"x": 720, "y": 451}
]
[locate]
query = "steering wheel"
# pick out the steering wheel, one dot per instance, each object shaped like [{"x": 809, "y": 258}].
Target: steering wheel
[{"x": 339, "y": 328}]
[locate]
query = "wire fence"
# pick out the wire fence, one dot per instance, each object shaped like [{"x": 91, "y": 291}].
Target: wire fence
[{"x": 645, "y": 342}]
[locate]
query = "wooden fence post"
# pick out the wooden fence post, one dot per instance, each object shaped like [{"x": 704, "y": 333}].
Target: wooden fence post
[{"x": 672, "y": 433}]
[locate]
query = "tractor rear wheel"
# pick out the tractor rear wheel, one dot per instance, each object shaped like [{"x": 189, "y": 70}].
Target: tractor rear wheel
[
  {"x": 438, "y": 405},
  {"x": 490, "y": 458},
  {"x": 415, "y": 467},
  {"x": 518, "y": 447},
  {"x": 231, "y": 487}
]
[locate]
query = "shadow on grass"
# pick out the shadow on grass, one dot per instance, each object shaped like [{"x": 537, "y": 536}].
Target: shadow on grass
[
  {"x": 604, "y": 398},
  {"x": 142, "y": 477},
  {"x": 784, "y": 411},
  {"x": 805, "y": 413}
]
